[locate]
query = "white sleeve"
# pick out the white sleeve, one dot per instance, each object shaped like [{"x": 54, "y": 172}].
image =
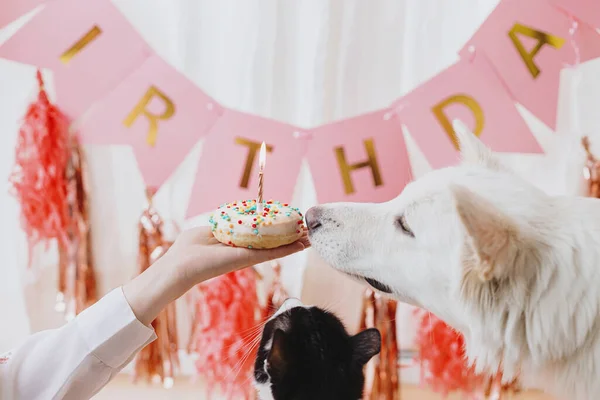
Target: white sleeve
[{"x": 74, "y": 362}]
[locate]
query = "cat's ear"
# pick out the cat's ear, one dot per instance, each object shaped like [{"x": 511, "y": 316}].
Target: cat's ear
[
  {"x": 366, "y": 344},
  {"x": 278, "y": 357}
]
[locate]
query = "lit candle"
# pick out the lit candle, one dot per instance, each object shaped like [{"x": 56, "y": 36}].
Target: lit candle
[{"x": 262, "y": 159}]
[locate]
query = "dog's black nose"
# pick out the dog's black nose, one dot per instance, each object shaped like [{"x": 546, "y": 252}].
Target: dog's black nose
[{"x": 313, "y": 218}]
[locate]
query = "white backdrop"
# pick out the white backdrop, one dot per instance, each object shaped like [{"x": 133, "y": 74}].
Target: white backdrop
[{"x": 305, "y": 62}]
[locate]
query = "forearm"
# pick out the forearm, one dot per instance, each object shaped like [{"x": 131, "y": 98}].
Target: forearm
[{"x": 150, "y": 292}]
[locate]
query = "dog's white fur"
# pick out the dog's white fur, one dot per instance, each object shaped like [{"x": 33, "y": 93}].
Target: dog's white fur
[{"x": 515, "y": 270}]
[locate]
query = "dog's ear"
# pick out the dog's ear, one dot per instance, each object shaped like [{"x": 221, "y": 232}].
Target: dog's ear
[
  {"x": 492, "y": 236},
  {"x": 472, "y": 150}
]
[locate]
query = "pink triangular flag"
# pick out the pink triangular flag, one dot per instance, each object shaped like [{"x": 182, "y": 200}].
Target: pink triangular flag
[
  {"x": 469, "y": 91},
  {"x": 159, "y": 112},
  {"x": 529, "y": 43},
  {"x": 11, "y": 10},
  {"x": 228, "y": 167},
  {"x": 587, "y": 11},
  {"x": 92, "y": 50},
  {"x": 360, "y": 159}
]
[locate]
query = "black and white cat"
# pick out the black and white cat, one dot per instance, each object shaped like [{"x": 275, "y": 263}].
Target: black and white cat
[{"x": 306, "y": 354}]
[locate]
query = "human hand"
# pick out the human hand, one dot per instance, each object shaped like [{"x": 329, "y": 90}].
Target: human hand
[
  {"x": 196, "y": 256},
  {"x": 199, "y": 256}
]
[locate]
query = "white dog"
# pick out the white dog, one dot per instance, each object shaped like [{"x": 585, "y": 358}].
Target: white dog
[{"x": 515, "y": 270}]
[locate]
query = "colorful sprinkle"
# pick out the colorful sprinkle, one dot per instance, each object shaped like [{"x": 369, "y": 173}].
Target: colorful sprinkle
[{"x": 267, "y": 215}]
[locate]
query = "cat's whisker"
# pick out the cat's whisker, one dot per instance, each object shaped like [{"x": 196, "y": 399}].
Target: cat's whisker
[
  {"x": 271, "y": 309},
  {"x": 254, "y": 338},
  {"x": 259, "y": 325},
  {"x": 252, "y": 343},
  {"x": 253, "y": 332},
  {"x": 250, "y": 332},
  {"x": 240, "y": 364},
  {"x": 240, "y": 341},
  {"x": 332, "y": 305},
  {"x": 250, "y": 338},
  {"x": 250, "y": 378}
]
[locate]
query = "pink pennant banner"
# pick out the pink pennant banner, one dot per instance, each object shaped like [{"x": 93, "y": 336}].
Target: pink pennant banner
[
  {"x": 362, "y": 159},
  {"x": 587, "y": 11},
  {"x": 528, "y": 43},
  {"x": 91, "y": 50},
  {"x": 228, "y": 168},
  {"x": 469, "y": 91},
  {"x": 11, "y": 10},
  {"x": 156, "y": 110}
]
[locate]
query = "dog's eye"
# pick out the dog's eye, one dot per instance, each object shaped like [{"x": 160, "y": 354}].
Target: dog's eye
[{"x": 403, "y": 225}]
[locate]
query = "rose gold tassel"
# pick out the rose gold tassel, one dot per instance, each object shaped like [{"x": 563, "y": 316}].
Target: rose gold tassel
[
  {"x": 496, "y": 390},
  {"x": 277, "y": 294},
  {"x": 76, "y": 278},
  {"x": 63, "y": 266},
  {"x": 382, "y": 380},
  {"x": 158, "y": 360},
  {"x": 591, "y": 170}
]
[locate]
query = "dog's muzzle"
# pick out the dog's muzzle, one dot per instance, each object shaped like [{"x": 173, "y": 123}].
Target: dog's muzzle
[{"x": 313, "y": 218}]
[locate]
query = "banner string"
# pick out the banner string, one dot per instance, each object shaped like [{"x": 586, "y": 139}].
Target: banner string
[
  {"x": 302, "y": 135},
  {"x": 392, "y": 111},
  {"x": 472, "y": 53},
  {"x": 575, "y": 114},
  {"x": 395, "y": 110}
]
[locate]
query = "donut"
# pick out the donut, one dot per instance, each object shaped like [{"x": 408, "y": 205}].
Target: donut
[{"x": 241, "y": 224}]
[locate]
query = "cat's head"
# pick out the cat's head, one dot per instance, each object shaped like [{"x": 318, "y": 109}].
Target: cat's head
[{"x": 306, "y": 353}]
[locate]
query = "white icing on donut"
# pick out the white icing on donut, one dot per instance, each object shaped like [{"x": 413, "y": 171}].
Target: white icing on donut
[{"x": 243, "y": 218}]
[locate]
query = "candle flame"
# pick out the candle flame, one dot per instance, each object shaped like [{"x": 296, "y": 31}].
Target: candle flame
[{"x": 262, "y": 158}]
